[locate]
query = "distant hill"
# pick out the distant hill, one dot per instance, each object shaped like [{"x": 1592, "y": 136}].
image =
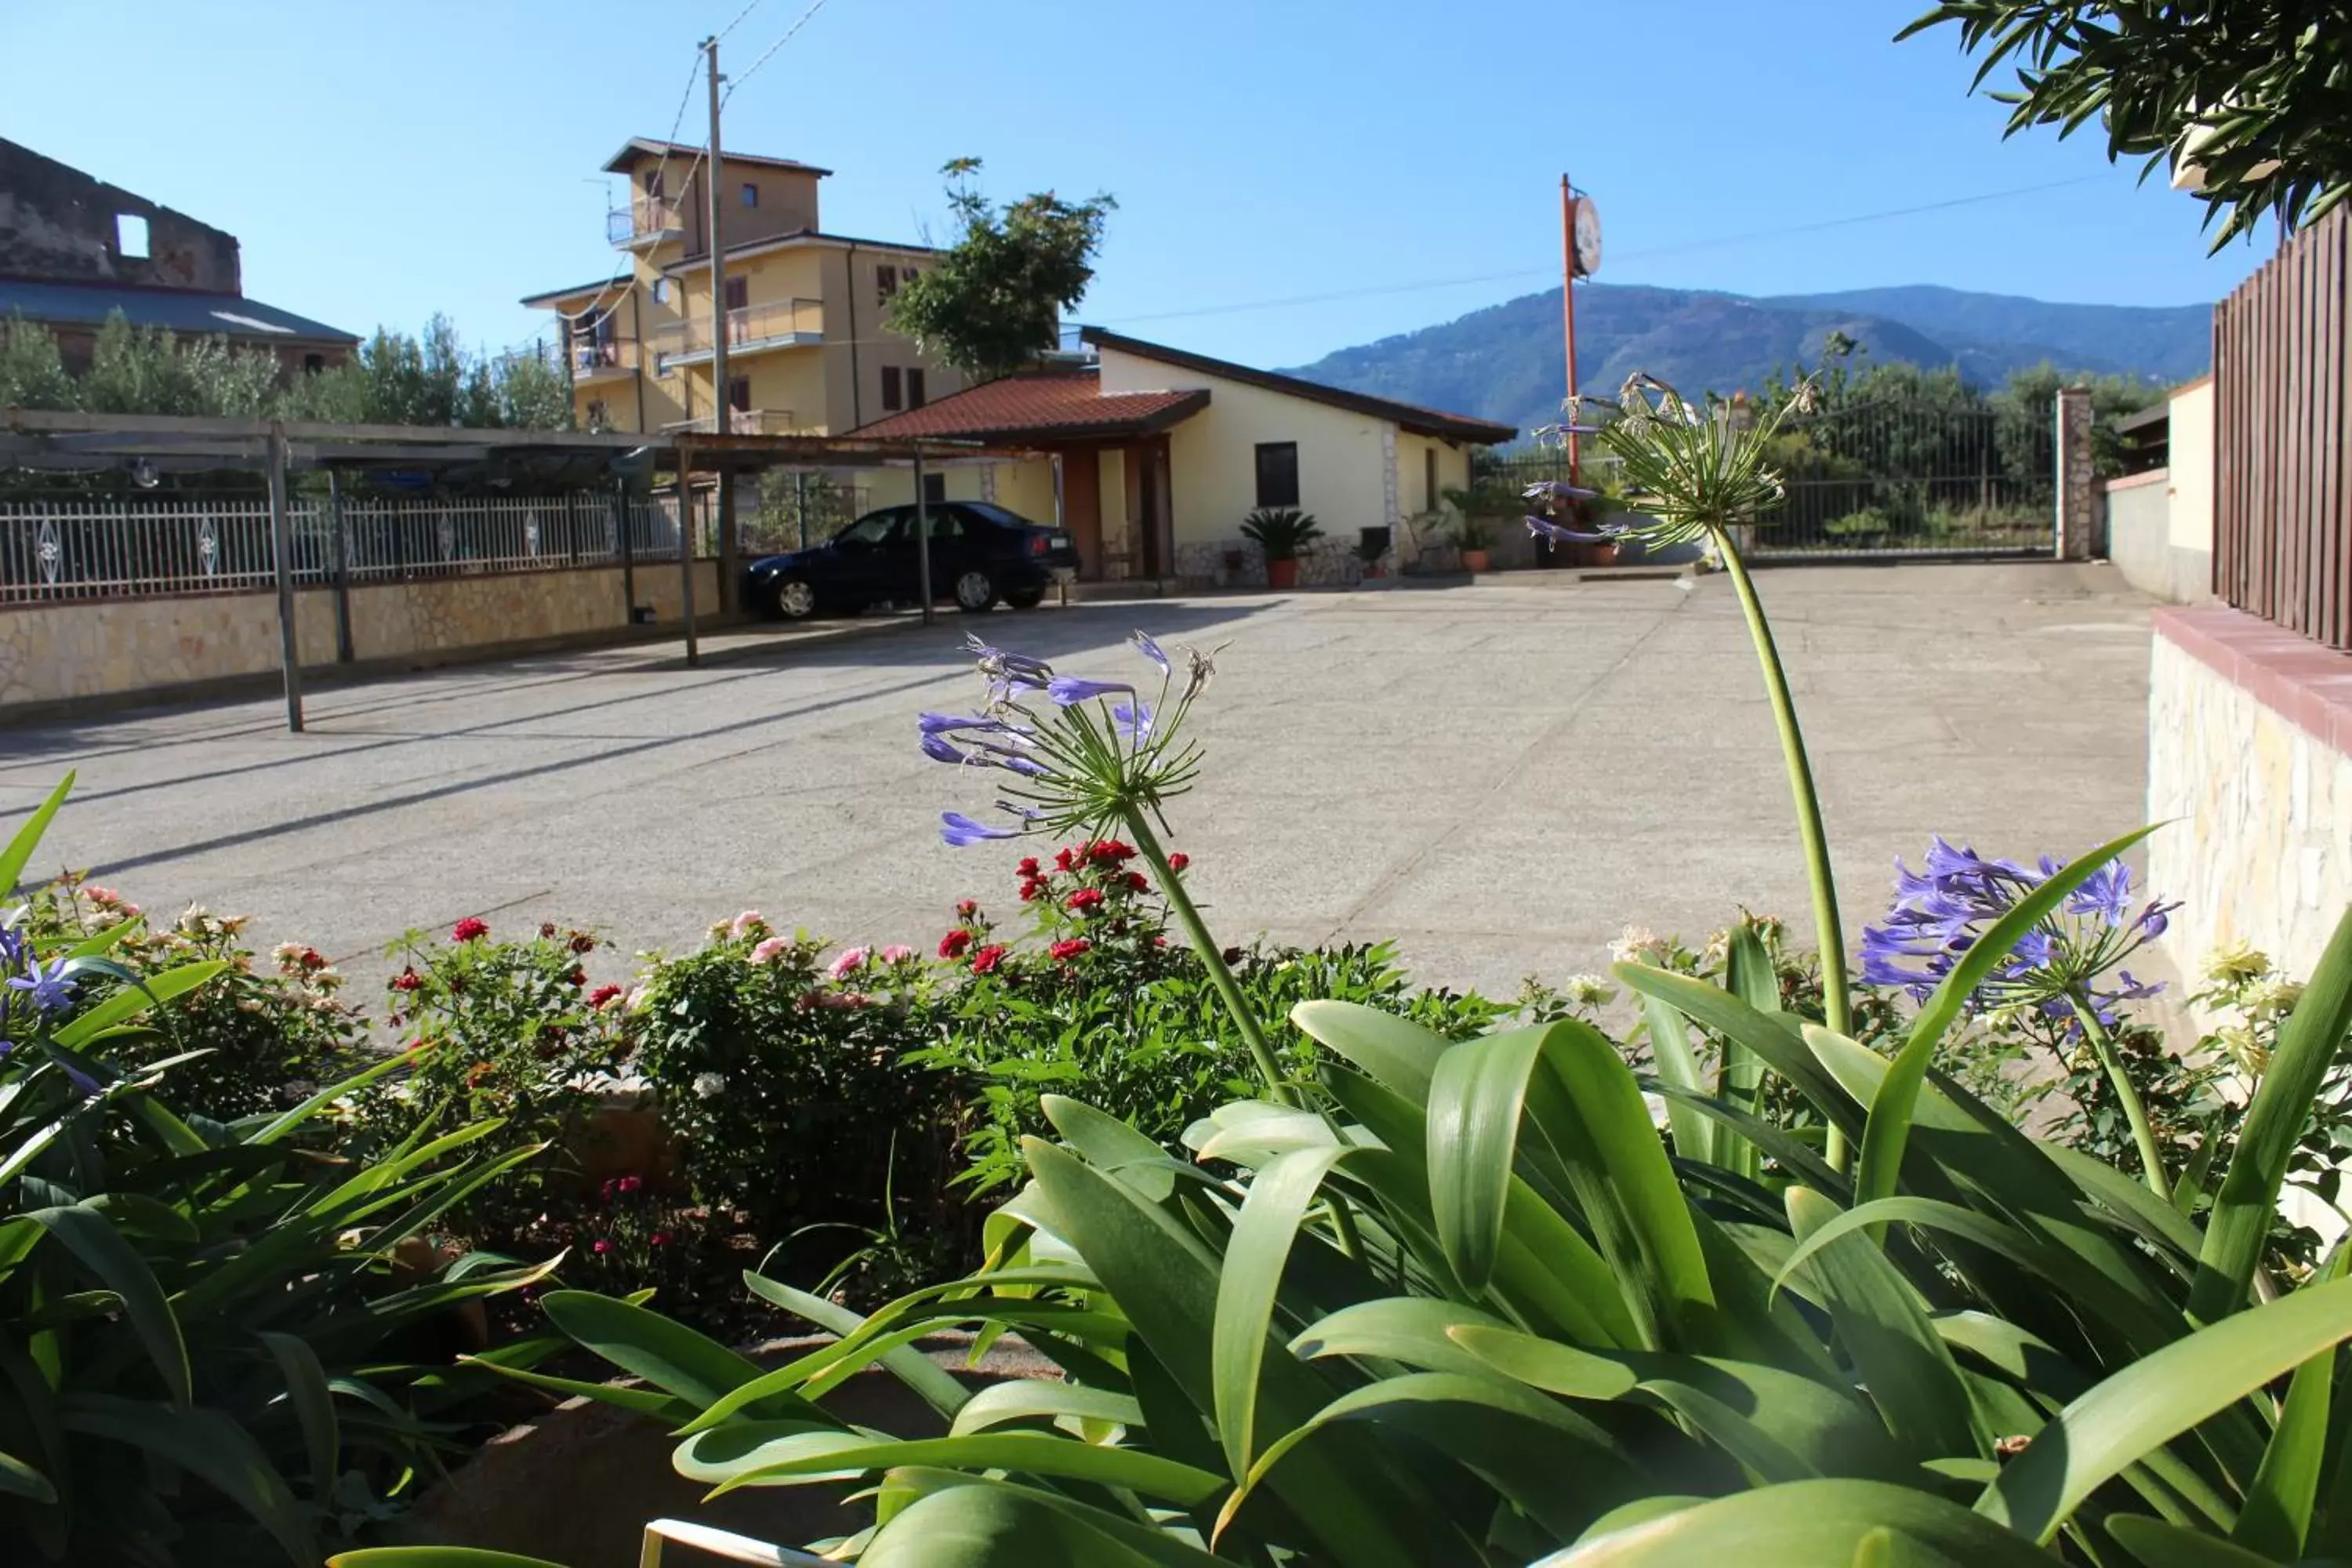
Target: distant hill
[{"x": 1504, "y": 363}]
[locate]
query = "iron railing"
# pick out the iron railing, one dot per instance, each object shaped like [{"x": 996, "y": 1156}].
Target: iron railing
[
  {"x": 773, "y": 321},
  {"x": 152, "y": 548},
  {"x": 645, "y": 217},
  {"x": 602, "y": 356},
  {"x": 740, "y": 422},
  {"x": 1898, "y": 476}
]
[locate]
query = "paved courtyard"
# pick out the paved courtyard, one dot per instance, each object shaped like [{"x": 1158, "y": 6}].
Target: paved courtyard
[{"x": 1499, "y": 777}]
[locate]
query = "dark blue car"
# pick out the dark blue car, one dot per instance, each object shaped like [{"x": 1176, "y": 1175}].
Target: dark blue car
[{"x": 980, "y": 553}]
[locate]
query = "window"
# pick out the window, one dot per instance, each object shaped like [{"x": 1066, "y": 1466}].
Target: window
[
  {"x": 738, "y": 293},
  {"x": 130, "y": 236},
  {"x": 661, "y": 290},
  {"x": 739, "y": 393},
  {"x": 892, "y": 399},
  {"x": 935, "y": 493},
  {"x": 751, "y": 194},
  {"x": 915, "y": 397},
  {"x": 886, "y": 284},
  {"x": 1277, "y": 473},
  {"x": 1429, "y": 479},
  {"x": 313, "y": 363}
]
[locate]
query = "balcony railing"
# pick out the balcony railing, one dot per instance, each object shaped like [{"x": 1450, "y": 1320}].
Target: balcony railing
[
  {"x": 610, "y": 356},
  {"x": 741, "y": 422},
  {"x": 643, "y": 221},
  {"x": 778, "y": 323}
]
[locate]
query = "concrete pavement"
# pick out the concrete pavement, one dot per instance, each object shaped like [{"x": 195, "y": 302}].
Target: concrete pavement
[{"x": 1499, "y": 776}]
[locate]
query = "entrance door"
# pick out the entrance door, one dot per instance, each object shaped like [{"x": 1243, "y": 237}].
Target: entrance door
[{"x": 1082, "y": 508}]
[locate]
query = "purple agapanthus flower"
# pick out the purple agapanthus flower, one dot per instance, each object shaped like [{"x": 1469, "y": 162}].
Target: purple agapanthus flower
[
  {"x": 49, "y": 989},
  {"x": 1941, "y": 911},
  {"x": 1150, "y": 650},
  {"x": 1068, "y": 690},
  {"x": 1133, "y": 721},
  {"x": 959, "y": 830},
  {"x": 1559, "y": 532}
]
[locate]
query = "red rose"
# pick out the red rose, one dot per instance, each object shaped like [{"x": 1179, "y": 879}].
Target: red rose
[
  {"x": 407, "y": 980},
  {"x": 952, "y": 945},
  {"x": 1233, "y": 955},
  {"x": 469, "y": 930},
  {"x": 312, "y": 959},
  {"x": 611, "y": 1186},
  {"x": 577, "y": 976},
  {"x": 602, "y": 1247},
  {"x": 602, "y": 994},
  {"x": 985, "y": 961},
  {"x": 1082, "y": 901},
  {"x": 659, "y": 1238},
  {"x": 1064, "y": 952},
  {"x": 631, "y": 1183},
  {"x": 1135, "y": 882},
  {"x": 1109, "y": 852},
  {"x": 1065, "y": 858},
  {"x": 1028, "y": 867},
  {"x": 968, "y": 908},
  {"x": 1159, "y": 942},
  {"x": 582, "y": 942},
  {"x": 1178, "y": 860},
  {"x": 1032, "y": 891},
  {"x": 547, "y": 930}
]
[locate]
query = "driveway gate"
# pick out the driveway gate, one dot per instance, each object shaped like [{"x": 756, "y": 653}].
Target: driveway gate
[{"x": 1914, "y": 477}]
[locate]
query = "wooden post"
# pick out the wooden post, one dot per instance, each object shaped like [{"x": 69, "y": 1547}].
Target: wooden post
[
  {"x": 923, "y": 541},
  {"x": 345, "y": 653},
  {"x": 281, "y": 548},
  {"x": 1061, "y": 520},
  {"x": 686, "y": 552}
]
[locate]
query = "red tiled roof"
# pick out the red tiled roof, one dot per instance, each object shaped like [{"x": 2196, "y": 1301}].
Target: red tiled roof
[{"x": 1041, "y": 404}]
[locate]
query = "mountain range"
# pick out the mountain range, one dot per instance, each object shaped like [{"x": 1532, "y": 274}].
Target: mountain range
[{"x": 1504, "y": 363}]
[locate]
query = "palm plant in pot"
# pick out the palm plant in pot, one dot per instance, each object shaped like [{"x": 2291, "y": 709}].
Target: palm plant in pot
[
  {"x": 1281, "y": 532},
  {"x": 1474, "y": 535}
]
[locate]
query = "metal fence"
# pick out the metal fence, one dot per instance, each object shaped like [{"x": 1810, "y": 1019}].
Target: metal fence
[
  {"x": 1894, "y": 477},
  {"x": 151, "y": 547},
  {"x": 2283, "y": 436}
]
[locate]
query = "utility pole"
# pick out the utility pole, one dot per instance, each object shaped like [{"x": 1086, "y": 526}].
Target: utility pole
[
  {"x": 722, "y": 412},
  {"x": 1568, "y": 305}
]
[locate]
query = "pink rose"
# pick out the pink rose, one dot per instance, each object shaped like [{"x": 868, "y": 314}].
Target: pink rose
[
  {"x": 850, "y": 959},
  {"x": 769, "y": 951},
  {"x": 896, "y": 953},
  {"x": 747, "y": 923}
]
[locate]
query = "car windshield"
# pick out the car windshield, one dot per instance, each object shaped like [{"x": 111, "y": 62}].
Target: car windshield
[
  {"x": 989, "y": 511},
  {"x": 872, "y": 528}
]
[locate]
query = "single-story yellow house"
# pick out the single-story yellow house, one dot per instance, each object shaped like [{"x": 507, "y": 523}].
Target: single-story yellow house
[{"x": 1152, "y": 457}]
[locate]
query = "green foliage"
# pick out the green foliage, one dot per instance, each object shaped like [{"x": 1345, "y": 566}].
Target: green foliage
[
  {"x": 221, "y": 1343},
  {"x": 992, "y": 301},
  {"x": 1281, "y": 531},
  {"x": 393, "y": 379},
  {"x": 2249, "y": 91}
]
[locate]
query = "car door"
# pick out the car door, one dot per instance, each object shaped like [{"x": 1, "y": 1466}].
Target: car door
[
  {"x": 952, "y": 548},
  {"x": 865, "y": 555}
]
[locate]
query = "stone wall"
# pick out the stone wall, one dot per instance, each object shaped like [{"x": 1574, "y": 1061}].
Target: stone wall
[
  {"x": 57, "y": 222},
  {"x": 63, "y": 652},
  {"x": 2250, "y": 767}
]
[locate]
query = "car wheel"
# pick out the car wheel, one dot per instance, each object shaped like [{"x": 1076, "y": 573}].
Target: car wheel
[
  {"x": 974, "y": 593},
  {"x": 1027, "y": 599},
  {"x": 795, "y": 599}
]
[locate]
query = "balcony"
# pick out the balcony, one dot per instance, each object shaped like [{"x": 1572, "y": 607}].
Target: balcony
[
  {"x": 596, "y": 359},
  {"x": 752, "y": 328},
  {"x": 646, "y": 220},
  {"x": 741, "y": 422}
]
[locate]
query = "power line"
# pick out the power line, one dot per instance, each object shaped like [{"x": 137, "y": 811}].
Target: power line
[
  {"x": 1552, "y": 271},
  {"x": 736, "y": 23},
  {"x": 769, "y": 53},
  {"x": 590, "y": 314}
]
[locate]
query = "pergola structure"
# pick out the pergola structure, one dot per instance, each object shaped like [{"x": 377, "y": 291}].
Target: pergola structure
[{"x": 146, "y": 445}]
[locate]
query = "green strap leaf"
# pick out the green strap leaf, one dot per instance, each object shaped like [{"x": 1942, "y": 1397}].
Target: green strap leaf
[
  {"x": 100, "y": 1248},
  {"x": 2159, "y": 1545},
  {"x": 930, "y": 1383},
  {"x": 18, "y": 1478},
  {"x": 1678, "y": 1068},
  {"x": 1888, "y": 1129},
  {"x": 1037, "y": 1399},
  {"x": 27, "y": 837},
  {"x": 1029, "y": 1453},
  {"x": 1770, "y": 1036},
  {"x": 956, "y": 1521},
  {"x": 651, "y": 1402},
  {"x": 1807, "y": 1522},
  {"x": 2240, "y": 1222},
  {"x": 1248, "y": 1284},
  {"x": 669, "y": 1355},
  {"x": 208, "y": 1444},
  {"x": 433, "y": 1557},
  {"x": 1476, "y": 1100},
  {"x": 314, "y": 1408},
  {"x": 1399, "y": 1053},
  {"x": 133, "y": 1000},
  {"x": 2157, "y": 1398}
]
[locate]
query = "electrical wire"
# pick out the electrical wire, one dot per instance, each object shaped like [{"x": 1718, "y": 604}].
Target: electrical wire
[
  {"x": 769, "y": 53},
  {"x": 1553, "y": 269},
  {"x": 737, "y": 22},
  {"x": 589, "y": 317}
]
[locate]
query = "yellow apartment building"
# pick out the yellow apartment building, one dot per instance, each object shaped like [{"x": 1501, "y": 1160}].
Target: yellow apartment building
[{"x": 807, "y": 352}]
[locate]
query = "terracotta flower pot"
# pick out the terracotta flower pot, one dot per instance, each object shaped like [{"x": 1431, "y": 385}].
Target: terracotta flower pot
[
  {"x": 1474, "y": 561},
  {"x": 1282, "y": 573}
]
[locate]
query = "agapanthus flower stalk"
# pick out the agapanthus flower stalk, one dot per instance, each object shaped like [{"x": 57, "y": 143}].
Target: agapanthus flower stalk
[
  {"x": 1699, "y": 473},
  {"x": 1097, "y": 757}
]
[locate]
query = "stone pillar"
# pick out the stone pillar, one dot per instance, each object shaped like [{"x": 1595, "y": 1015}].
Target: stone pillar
[{"x": 2078, "y": 499}]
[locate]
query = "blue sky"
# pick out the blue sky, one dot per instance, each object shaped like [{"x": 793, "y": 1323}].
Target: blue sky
[{"x": 381, "y": 161}]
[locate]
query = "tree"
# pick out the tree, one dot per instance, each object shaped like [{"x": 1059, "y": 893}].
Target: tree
[
  {"x": 2250, "y": 92},
  {"x": 992, "y": 302}
]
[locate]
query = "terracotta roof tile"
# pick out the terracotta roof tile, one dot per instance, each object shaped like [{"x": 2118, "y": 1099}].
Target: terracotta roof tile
[{"x": 1064, "y": 403}]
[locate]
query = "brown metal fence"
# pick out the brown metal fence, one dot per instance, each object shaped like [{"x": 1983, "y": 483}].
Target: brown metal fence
[{"x": 2283, "y": 437}]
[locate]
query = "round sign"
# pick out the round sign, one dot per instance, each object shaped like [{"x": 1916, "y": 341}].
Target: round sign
[{"x": 1588, "y": 237}]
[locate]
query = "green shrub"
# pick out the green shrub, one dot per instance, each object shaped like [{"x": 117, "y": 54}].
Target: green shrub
[{"x": 221, "y": 1341}]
